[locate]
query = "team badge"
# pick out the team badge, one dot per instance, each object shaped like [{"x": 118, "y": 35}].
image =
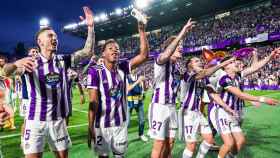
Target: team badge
[
  {"x": 115, "y": 92},
  {"x": 230, "y": 82}
]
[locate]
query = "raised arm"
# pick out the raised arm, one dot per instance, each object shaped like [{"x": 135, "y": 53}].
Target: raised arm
[
  {"x": 144, "y": 48},
  {"x": 255, "y": 57},
  {"x": 88, "y": 49},
  {"x": 258, "y": 65},
  {"x": 165, "y": 56},
  {"x": 211, "y": 70}
]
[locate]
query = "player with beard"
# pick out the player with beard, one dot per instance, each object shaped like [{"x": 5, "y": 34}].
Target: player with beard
[
  {"x": 230, "y": 90},
  {"x": 107, "y": 96},
  {"x": 162, "y": 110},
  {"x": 46, "y": 79}
]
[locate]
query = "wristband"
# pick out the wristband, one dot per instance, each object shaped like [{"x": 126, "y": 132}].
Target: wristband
[{"x": 262, "y": 99}]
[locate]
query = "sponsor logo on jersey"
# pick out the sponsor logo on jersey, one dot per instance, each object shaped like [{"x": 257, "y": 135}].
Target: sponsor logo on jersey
[{"x": 52, "y": 78}]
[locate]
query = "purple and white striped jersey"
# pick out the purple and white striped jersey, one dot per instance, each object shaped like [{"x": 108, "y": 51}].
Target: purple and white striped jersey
[
  {"x": 230, "y": 99},
  {"x": 47, "y": 88},
  {"x": 111, "y": 85},
  {"x": 194, "y": 91},
  {"x": 166, "y": 83}
]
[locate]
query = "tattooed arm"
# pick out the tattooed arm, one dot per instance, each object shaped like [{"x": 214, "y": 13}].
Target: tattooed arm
[{"x": 88, "y": 49}]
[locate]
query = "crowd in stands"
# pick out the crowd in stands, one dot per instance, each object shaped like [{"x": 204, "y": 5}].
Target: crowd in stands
[
  {"x": 241, "y": 23},
  {"x": 267, "y": 78}
]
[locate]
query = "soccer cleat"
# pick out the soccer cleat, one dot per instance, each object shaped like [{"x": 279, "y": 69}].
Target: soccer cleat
[{"x": 143, "y": 138}]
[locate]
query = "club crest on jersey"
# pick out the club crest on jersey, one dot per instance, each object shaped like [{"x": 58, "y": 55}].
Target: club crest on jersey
[
  {"x": 52, "y": 78},
  {"x": 115, "y": 92}
]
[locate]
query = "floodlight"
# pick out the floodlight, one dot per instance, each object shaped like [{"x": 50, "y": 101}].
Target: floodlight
[
  {"x": 118, "y": 11},
  {"x": 44, "y": 22}
]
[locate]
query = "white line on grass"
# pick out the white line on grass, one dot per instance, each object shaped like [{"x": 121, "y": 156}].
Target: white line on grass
[
  {"x": 18, "y": 134},
  {"x": 80, "y": 110}
]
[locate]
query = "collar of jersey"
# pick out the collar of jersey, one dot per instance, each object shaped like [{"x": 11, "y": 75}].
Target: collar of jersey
[
  {"x": 113, "y": 70},
  {"x": 45, "y": 60}
]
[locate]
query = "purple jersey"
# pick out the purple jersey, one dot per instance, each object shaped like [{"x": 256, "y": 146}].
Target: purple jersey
[
  {"x": 47, "y": 88},
  {"x": 166, "y": 83},
  {"x": 111, "y": 86},
  {"x": 194, "y": 90},
  {"x": 230, "y": 99}
]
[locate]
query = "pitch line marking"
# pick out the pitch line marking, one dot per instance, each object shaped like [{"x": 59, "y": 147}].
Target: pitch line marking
[{"x": 75, "y": 109}]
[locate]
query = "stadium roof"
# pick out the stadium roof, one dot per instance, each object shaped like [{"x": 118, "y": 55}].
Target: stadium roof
[{"x": 162, "y": 13}]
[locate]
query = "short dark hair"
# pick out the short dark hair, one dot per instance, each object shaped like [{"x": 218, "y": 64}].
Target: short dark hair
[
  {"x": 41, "y": 31},
  {"x": 167, "y": 42},
  {"x": 109, "y": 41}
]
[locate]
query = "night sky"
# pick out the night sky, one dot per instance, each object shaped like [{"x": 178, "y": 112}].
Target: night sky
[{"x": 20, "y": 19}]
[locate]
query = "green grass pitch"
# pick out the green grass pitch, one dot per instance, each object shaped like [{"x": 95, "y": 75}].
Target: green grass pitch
[{"x": 261, "y": 126}]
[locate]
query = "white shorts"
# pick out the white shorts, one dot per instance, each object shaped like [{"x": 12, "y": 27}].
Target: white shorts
[
  {"x": 111, "y": 139},
  {"x": 23, "y": 107},
  {"x": 38, "y": 132},
  {"x": 223, "y": 122},
  {"x": 193, "y": 123},
  {"x": 162, "y": 121}
]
